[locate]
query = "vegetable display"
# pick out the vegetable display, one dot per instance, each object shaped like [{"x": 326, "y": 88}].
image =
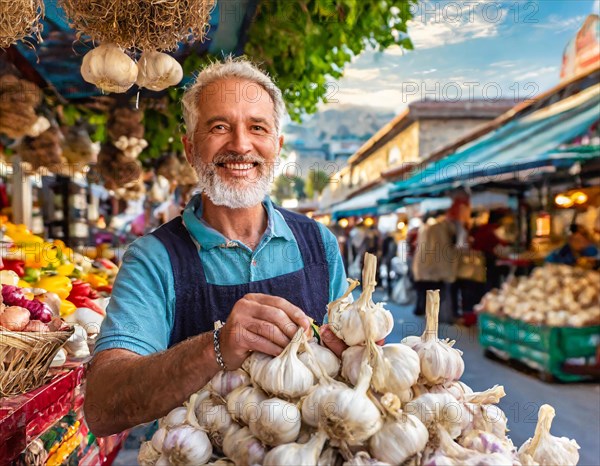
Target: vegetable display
[
  {"x": 392, "y": 405},
  {"x": 555, "y": 295}
]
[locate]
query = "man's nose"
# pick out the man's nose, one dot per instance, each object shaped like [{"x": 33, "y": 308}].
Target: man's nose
[{"x": 240, "y": 141}]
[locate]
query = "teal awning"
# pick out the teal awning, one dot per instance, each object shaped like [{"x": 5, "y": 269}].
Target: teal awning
[
  {"x": 364, "y": 204},
  {"x": 528, "y": 143}
]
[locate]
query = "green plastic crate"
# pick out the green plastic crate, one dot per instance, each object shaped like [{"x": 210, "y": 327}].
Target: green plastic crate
[{"x": 540, "y": 347}]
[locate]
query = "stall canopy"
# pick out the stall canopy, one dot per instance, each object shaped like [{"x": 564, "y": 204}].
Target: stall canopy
[
  {"x": 534, "y": 142},
  {"x": 363, "y": 204}
]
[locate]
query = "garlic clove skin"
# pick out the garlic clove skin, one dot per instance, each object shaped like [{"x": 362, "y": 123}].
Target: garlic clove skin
[
  {"x": 440, "y": 410},
  {"x": 176, "y": 417},
  {"x": 243, "y": 404},
  {"x": 485, "y": 442},
  {"x": 215, "y": 419},
  {"x": 255, "y": 363},
  {"x": 224, "y": 382},
  {"x": 157, "y": 71},
  {"x": 162, "y": 461},
  {"x": 352, "y": 358},
  {"x": 243, "y": 448},
  {"x": 278, "y": 422},
  {"x": 147, "y": 455},
  {"x": 362, "y": 458},
  {"x": 158, "y": 438},
  {"x": 546, "y": 449},
  {"x": 297, "y": 454},
  {"x": 109, "y": 68},
  {"x": 312, "y": 405},
  {"x": 396, "y": 368},
  {"x": 187, "y": 446},
  {"x": 325, "y": 356}
]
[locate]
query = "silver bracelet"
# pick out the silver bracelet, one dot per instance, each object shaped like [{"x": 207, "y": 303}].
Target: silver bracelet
[{"x": 217, "y": 343}]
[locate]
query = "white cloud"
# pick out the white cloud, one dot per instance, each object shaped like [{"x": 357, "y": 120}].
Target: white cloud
[
  {"x": 368, "y": 74},
  {"x": 596, "y": 7},
  {"x": 503, "y": 64},
  {"x": 559, "y": 24},
  {"x": 537, "y": 73}
]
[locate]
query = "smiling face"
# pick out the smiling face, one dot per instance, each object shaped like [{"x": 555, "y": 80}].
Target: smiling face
[{"x": 235, "y": 144}]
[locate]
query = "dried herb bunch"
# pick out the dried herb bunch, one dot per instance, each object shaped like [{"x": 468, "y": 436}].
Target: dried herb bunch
[
  {"x": 20, "y": 19},
  {"x": 140, "y": 24}
]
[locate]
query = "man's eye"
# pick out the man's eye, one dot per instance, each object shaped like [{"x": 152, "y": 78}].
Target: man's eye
[
  {"x": 258, "y": 128},
  {"x": 219, "y": 128}
]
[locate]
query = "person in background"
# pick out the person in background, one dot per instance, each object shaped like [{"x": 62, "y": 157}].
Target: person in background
[
  {"x": 389, "y": 249},
  {"x": 435, "y": 263},
  {"x": 578, "y": 250}
]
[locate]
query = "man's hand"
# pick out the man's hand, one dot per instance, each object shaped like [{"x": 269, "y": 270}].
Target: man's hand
[{"x": 259, "y": 322}]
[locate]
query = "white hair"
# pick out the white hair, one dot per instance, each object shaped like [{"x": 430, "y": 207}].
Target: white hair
[{"x": 230, "y": 68}]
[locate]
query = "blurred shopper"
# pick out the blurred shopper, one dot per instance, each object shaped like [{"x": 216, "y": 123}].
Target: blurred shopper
[
  {"x": 578, "y": 250},
  {"x": 389, "y": 249},
  {"x": 436, "y": 257}
]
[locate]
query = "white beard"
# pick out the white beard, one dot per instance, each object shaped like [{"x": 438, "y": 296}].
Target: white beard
[{"x": 234, "y": 194}]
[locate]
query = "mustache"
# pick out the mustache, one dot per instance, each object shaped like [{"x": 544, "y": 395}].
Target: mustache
[{"x": 234, "y": 157}]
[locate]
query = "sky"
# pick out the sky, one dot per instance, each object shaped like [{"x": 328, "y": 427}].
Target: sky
[{"x": 468, "y": 49}]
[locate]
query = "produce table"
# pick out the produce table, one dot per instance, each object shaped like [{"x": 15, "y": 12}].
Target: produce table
[
  {"x": 547, "y": 349},
  {"x": 42, "y": 413}
]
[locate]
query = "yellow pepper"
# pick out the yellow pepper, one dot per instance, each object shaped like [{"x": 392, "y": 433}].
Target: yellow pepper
[
  {"x": 58, "y": 284},
  {"x": 67, "y": 308},
  {"x": 23, "y": 284},
  {"x": 95, "y": 280},
  {"x": 65, "y": 269}
]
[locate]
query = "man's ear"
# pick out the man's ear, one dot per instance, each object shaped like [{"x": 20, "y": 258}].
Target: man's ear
[
  {"x": 188, "y": 146},
  {"x": 280, "y": 141}
]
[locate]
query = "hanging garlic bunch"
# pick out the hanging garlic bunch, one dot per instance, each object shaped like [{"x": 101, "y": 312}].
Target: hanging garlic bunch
[
  {"x": 345, "y": 319},
  {"x": 546, "y": 449},
  {"x": 224, "y": 382},
  {"x": 440, "y": 363},
  {"x": 297, "y": 454},
  {"x": 109, "y": 68},
  {"x": 484, "y": 414},
  {"x": 243, "y": 404},
  {"x": 286, "y": 376},
  {"x": 131, "y": 147},
  {"x": 157, "y": 71},
  {"x": 441, "y": 410},
  {"x": 243, "y": 448},
  {"x": 215, "y": 419},
  {"x": 325, "y": 356},
  {"x": 278, "y": 422},
  {"x": 402, "y": 435},
  {"x": 348, "y": 414}
]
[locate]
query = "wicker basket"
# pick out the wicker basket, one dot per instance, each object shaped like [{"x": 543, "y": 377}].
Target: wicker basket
[{"x": 25, "y": 358}]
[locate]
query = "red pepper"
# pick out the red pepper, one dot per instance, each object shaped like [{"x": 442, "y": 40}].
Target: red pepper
[
  {"x": 80, "y": 288},
  {"x": 105, "y": 289},
  {"x": 84, "y": 301},
  {"x": 16, "y": 265}
]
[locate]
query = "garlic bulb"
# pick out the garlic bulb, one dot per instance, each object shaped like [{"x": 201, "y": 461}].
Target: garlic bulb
[
  {"x": 159, "y": 438},
  {"x": 186, "y": 445},
  {"x": 109, "y": 68},
  {"x": 286, "y": 376},
  {"x": 297, "y": 454},
  {"x": 348, "y": 414},
  {"x": 176, "y": 417},
  {"x": 485, "y": 442},
  {"x": 345, "y": 319},
  {"x": 254, "y": 363},
  {"x": 411, "y": 340},
  {"x": 483, "y": 414},
  {"x": 312, "y": 405},
  {"x": 215, "y": 419},
  {"x": 546, "y": 449},
  {"x": 440, "y": 363},
  {"x": 243, "y": 448},
  {"x": 243, "y": 404},
  {"x": 147, "y": 456},
  {"x": 222, "y": 462},
  {"x": 157, "y": 71},
  {"x": 224, "y": 382},
  {"x": 458, "y": 389},
  {"x": 278, "y": 422},
  {"x": 362, "y": 458},
  {"x": 402, "y": 435},
  {"x": 325, "y": 356},
  {"x": 439, "y": 409}
]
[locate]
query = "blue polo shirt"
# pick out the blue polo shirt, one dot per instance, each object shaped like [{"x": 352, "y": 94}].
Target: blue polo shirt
[{"x": 142, "y": 306}]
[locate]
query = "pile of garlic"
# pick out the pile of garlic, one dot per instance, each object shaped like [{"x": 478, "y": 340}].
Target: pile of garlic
[
  {"x": 554, "y": 295},
  {"x": 383, "y": 405}
]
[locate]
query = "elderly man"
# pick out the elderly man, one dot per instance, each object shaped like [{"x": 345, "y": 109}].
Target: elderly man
[{"x": 232, "y": 257}]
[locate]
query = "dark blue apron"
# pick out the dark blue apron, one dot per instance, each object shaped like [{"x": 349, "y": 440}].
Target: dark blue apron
[{"x": 199, "y": 304}]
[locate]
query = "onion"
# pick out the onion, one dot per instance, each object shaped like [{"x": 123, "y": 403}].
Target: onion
[
  {"x": 36, "y": 326},
  {"x": 14, "y": 318}
]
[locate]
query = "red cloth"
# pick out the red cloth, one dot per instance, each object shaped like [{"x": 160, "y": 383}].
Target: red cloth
[{"x": 485, "y": 239}]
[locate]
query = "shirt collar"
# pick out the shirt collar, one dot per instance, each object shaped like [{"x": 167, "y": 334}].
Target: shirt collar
[{"x": 207, "y": 237}]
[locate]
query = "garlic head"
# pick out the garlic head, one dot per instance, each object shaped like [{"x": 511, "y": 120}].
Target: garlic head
[
  {"x": 157, "y": 71},
  {"x": 215, "y": 419},
  {"x": 147, "y": 455},
  {"x": 243, "y": 448},
  {"x": 224, "y": 382},
  {"x": 187, "y": 446},
  {"x": 243, "y": 403},
  {"x": 109, "y": 68},
  {"x": 327, "y": 358},
  {"x": 278, "y": 422},
  {"x": 297, "y": 454}
]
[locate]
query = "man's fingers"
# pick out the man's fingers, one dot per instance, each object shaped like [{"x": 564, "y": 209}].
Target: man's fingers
[
  {"x": 270, "y": 331},
  {"x": 293, "y": 312},
  {"x": 331, "y": 341},
  {"x": 256, "y": 342}
]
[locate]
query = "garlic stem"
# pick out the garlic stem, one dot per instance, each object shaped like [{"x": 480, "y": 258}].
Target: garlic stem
[
  {"x": 432, "y": 311},
  {"x": 351, "y": 285},
  {"x": 368, "y": 275},
  {"x": 545, "y": 416},
  {"x": 190, "y": 417}
]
